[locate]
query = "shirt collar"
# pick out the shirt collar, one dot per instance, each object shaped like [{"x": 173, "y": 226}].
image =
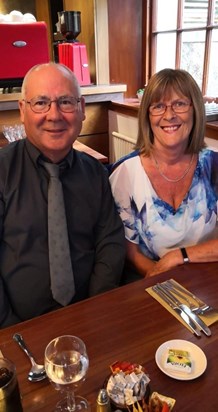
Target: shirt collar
[{"x": 36, "y": 155}]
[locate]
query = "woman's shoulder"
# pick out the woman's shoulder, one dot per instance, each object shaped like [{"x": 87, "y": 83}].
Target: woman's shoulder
[
  {"x": 209, "y": 162},
  {"x": 207, "y": 152},
  {"x": 127, "y": 159},
  {"x": 214, "y": 167},
  {"x": 208, "y": 156}
]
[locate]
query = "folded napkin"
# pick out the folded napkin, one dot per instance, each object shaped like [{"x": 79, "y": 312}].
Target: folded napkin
[{"x": 208, "y": 319}]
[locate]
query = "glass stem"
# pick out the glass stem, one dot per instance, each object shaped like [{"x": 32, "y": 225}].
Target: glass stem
[{"x": 71, "y": 404}]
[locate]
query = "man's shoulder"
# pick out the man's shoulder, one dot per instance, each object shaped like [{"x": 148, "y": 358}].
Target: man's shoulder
[
  {"x": 11, "y": 149},
  {"x": 86, "y": 160},
  {"x": 11, "y": 160}
]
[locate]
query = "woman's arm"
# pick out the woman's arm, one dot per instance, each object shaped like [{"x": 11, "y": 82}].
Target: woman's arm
[
  {"x": 204, "y": 252},
  {"x": 142, "y": 264}
]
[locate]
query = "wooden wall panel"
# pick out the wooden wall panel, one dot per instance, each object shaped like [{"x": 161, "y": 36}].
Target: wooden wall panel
[
  {"x": 96, "y": 118},
  {"x": 94, "y": 131},
  {"x": 43, "y": 13},
  {"x": 125, "y": 43},
  {"x": 98, "y": 142},
  {"x": 87, "y": 35},
  {"x": 9, "y": 118},
  {"x": 6, "y": 6},
  {"x": 101, "y": 42}
]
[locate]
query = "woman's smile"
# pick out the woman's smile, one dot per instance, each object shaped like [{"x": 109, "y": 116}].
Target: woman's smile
[{"x": 170, "y": 129}]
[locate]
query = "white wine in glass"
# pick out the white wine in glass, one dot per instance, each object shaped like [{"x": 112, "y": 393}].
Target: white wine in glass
[{"x": 66, "y": 364}]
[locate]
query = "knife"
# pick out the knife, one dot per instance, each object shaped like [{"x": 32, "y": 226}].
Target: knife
[
  {"x": 178, "y": 310},
  {"x": 199, "y": 322}
]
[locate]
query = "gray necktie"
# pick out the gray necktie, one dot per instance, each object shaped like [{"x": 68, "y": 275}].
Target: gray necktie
[{"x": 62, "y": 280}]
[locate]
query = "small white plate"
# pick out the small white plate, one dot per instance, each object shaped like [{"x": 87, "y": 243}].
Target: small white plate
[{"x": 199, "y": 360}]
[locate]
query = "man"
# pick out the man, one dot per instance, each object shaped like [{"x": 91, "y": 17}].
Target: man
[{"x": 52, "y": 111}]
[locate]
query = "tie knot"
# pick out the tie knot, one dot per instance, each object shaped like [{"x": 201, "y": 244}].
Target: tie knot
[{"x": 52, "y": 169}]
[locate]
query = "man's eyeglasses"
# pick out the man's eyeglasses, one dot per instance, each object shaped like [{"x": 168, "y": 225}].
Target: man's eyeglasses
[
  {"x": 66, "y": 104},
  {"x": 178, "y": 106}
]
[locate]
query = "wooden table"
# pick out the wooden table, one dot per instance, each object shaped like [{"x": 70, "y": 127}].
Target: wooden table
[
  {"x": 123, "y": 324},
  {"x": 84, "y": 148},
  {"x": 212, "y": 130}
]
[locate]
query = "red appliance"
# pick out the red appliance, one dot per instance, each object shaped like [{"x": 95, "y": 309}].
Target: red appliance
[
  {"x": 22, "y": 45},
  {"x": 71, "y": 52},
  {"x": 74, "y": 56}
]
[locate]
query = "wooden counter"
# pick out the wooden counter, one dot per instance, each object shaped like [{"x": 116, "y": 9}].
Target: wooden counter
[
  {"x": 92, "y": 94},
  {"x": 212, "y": 130},
  {"x": 94, "y": 131},
  {"x": 129, "y": 107}
]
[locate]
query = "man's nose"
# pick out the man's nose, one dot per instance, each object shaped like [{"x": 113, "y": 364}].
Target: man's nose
[{"x": 54, "y": 109}]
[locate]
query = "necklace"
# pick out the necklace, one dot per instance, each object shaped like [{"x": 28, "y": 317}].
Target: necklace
[{"x": 178, "y": 178}]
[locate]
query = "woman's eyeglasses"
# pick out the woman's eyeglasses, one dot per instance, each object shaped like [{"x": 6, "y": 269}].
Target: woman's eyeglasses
[
  {"x": 178, "y": 106},
  {"x": 66, "y": 104}
]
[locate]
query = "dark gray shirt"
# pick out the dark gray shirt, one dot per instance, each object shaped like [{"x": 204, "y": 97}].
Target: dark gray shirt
[{"x": 96, "y": 233}]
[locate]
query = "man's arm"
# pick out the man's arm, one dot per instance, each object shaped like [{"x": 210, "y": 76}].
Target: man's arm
[
  {"x": 7, "y": 317},
  {"x": 110, "y": 246}
]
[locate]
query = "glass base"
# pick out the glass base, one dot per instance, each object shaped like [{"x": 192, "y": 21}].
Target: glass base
[{"x": 81, "y": 405}]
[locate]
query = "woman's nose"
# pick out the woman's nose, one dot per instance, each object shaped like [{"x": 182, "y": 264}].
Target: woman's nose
[{"x": 169, "y": 112}]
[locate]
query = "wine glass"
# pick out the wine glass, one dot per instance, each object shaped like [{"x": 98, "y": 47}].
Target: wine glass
[
  {"x": 66, "y": 364},
  {"x": 14, "y": 132}
]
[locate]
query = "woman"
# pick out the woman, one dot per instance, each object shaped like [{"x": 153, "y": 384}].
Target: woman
[{"x": 166, "y": 191}]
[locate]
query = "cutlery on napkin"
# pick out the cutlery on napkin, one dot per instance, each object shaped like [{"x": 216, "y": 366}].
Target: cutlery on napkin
[
  {"x": 182, "y": 308},
  {"x": 208, "y": 320},
  {"x": 180, "y": 313}
]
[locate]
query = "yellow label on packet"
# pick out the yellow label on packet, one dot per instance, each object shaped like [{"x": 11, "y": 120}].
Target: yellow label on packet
[{"x": 179, "y": 360}]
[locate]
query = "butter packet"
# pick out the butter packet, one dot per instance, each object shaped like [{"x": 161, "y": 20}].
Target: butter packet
[
  {"x": 179, "y": 360},
  {"x": 157, "y": 401}
]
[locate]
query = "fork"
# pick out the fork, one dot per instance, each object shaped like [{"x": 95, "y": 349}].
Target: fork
[
  {"x": 201, "y": 308},
  {"x": 177, "y": 291}
]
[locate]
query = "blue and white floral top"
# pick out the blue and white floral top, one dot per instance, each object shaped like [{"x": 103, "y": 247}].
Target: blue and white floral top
[{"x": 155, "y": 225}]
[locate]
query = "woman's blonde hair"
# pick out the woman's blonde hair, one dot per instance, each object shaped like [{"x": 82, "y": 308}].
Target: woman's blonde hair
[{"x": 159, "y": 86}]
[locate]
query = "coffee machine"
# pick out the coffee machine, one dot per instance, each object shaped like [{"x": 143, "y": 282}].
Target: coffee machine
[
  {"x": 68, "y": 50},
  {"x": 22, "y": 46}
]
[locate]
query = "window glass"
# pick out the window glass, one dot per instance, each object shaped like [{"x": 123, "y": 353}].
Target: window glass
[
  {"x": 187, "y": 24},
  {"x": 166, "y": 51},
  {"x": 212, "y": 87},
  {"x": 192, "y": 54},
  {"x": 195, "y": 13},
  {"x": 166, "y": 15},
  {"x": 215, "y": 14}
]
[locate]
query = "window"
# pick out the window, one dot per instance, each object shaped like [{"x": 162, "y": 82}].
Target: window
[{"x": 185, "y": 35}]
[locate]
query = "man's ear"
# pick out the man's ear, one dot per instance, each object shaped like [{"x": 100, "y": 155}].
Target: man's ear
[
  {"x": 21, "y": 105},
  {"x": 82, "y": 103}
]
